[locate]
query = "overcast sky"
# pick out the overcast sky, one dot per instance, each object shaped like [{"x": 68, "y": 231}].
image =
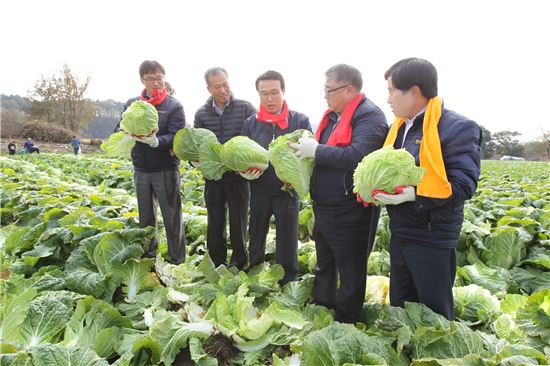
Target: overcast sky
[{"x": 492, "y": 56}]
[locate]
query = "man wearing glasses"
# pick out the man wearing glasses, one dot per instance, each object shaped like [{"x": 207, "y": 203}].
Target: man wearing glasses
[
  {"x": 156, "y": 167},
  {"x": 224, "y": 115},
  {"x": 273, "y": 120},
  {"x": 344, "y": 230}
]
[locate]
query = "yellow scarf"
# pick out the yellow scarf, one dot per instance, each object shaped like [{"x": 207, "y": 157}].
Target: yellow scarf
[{"x": 434, "y": 184}]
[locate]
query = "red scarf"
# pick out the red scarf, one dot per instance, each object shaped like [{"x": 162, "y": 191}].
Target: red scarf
[
  {"x": 281, "y": 119},
  {"x": 341, "y": 136},
  {"x": 156, "y": 99}
]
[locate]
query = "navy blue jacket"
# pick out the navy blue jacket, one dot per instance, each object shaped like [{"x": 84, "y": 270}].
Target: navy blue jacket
[
  {"x": 263, "y": 133},
  {"x": 161, "y": 158},
  {"x": 432, "y": 221},
  {"x": 332, "y": 178}
]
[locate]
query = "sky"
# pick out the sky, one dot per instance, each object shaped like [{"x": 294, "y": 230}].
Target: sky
[{"x": 492, "y": 56}]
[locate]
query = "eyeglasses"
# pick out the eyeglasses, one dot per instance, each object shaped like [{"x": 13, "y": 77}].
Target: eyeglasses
[
  {"x": 328, "y": 91},
  {"x": 273, "y": 94},
  {"x": 159, "y": 79}
]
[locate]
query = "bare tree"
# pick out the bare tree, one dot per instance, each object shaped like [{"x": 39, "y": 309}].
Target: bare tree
[{"x": 61, "y": 99}]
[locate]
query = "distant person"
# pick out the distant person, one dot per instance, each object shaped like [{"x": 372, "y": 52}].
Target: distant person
[
  {"x": 344, "y": 230},
  {"x": 224, "y": 115},
  {"x": 274, "y": 119},
  {"x": 156, "y": 167},
  {"x": 75, "y": 142},
  {"x": 12, "y": 148},
  {"x": 425, "y": 221},
  {"x": 169, "y": 89},
  {"x": 28, "y": 145}
]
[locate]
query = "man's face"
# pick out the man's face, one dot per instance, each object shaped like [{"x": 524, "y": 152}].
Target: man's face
[
  {"x": 271, "y": 95},
  {"x": 219, "y": 89},
  {"x": 152, "y": 81},
  {"x": 401, "y": 102},
  {"x": 337, "y": 94}
]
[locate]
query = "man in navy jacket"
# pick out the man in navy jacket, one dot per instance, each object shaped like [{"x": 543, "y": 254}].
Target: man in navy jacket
[
  {"x": 224, "y": 115},
  {"x": 267, "y": 198},
  {"x": 344, "y": 230},
  {"x": 156, "y": 167},
  {"x": 425, "y": 222}
]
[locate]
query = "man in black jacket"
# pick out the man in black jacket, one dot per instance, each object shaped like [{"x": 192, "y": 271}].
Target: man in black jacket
[
  {"x": 425, "y": 222},
  {"x": 344, "y": 230},
  {"x": 224, "y": 115},
  {"x": 156, "y": 167},
  {"x": 273, "y": 120}
]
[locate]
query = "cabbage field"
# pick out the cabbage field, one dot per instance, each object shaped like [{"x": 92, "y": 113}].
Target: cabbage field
[{"x": 76, "y": 291}]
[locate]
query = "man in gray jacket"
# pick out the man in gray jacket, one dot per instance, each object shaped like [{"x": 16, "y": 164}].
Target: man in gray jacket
[{"x": 224, "y": 115}]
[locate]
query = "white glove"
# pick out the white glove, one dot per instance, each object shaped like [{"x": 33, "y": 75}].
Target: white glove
[
  {"x": 402, "y": 195},
  {"x": 306, "y": 146},
  {"x": 252, "y": 173},
  {"x": 151, "y": 140}
]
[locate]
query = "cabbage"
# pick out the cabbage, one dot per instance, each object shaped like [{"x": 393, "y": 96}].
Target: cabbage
[
  {"x": 385, "y": 169},
  {"x": 288, "y": 167},
  {"x": 140, "y": 119},
  {"x": 212, "y": 166},
  {"x": 188, "y": 140},
  {"x": 241, "y": 153},
  {"x": 118, "y": 144},
  {"x": 475, "y": 304}
]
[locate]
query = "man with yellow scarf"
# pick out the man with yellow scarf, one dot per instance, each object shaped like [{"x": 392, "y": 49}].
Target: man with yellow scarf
[{"x": 425, "y": 221}]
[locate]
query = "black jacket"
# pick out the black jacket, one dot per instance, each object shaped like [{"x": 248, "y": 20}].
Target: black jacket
[
  {"x": 263, "y": 133},
  {"x": 226, "y": 126},
  {"x": 332, "y": 179},
  {"x": 162, "y": 157},
  {"x": 431, "y": 221}
]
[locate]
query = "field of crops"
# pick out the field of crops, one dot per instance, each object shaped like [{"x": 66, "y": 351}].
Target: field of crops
[{"x": 76, "y": 291}]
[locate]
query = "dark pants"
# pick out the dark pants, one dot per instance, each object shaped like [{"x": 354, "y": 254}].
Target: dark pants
[
  {"x": 285, "y": 208},
  {"x": 220, "y": 196},
  {"x": 162, "y": 189},
  {"x": 76, "y": 150},
  {"x": 343, "y": 240},
  {"x": 423, "y": 274}
]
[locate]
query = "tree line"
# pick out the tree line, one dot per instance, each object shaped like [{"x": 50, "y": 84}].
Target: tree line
[{"x": 57, "y": 107}]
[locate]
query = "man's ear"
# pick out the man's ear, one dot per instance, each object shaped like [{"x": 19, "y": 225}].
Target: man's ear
[{"x": 415, "y": 89}]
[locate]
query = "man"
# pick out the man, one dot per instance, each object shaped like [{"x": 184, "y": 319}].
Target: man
[
  {"x": 75, "y": 142},
  {"x": 344, "y": 230},
  {"x": 273, "y": 120},
  {"x": 224, "y": 115},
  {"x": 156, "y": 167},
  {"x": 28, "y": 145},
  {"x": 12, "y": 147},
  {"x": 425, "y": 222}
]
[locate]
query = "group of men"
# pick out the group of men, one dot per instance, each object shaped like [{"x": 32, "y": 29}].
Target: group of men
[{"x": 425, "y": 221}]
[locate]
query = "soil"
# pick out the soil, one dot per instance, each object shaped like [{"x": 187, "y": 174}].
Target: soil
[{"x": 51, "y": 147}]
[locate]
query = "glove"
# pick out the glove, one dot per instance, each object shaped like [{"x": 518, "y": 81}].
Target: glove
[
  {"x": 402, "y": 194},
  {"x": 195, "y": 164},
  {"x": 251, "y": 173},
  {"x": 306, "y": 146},
  {"x": 150, "y": 140}
]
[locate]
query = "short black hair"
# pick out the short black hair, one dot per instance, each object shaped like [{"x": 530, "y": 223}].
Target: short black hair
[
  {"x": 271, "y": 75},
  {"x": 149, "y": 66},
  {"x": 348, "y": 74},
  {"x": 214, "y": 71},
  {"x": 414, "y": 71}
]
